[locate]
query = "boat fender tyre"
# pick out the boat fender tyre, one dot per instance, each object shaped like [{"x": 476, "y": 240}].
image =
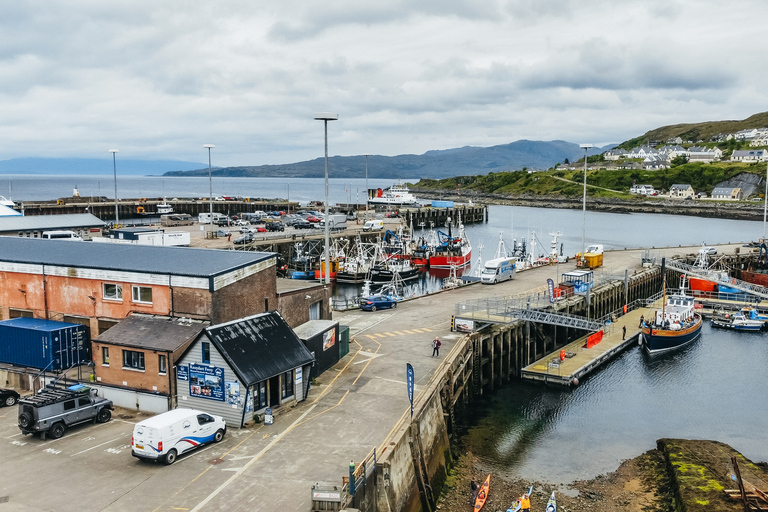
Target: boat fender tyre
[
  {"x": 104, "y": 415},
  {"x": 57, "y": 430},
  {"x": 373, "y": 308},
  {"x": 170, "y": 457},
  {"x": 218, "y": 436},
  {"x": 25, "y": 420},
  {"x": 10, "y": 401}
]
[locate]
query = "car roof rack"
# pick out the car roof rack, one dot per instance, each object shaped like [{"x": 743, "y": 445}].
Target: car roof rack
[{"x": 55, "y": 393}]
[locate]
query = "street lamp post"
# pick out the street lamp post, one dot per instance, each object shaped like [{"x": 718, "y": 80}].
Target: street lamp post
[
  {"x": 366, "y": 187},
  {"x": 325, "y": 117},
  {"x": 210, "y": 181},
  {"x": 114, "y": 168},
  {"x": 584, "y": 203}
]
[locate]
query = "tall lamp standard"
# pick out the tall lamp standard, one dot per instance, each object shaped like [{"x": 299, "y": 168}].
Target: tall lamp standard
[
  {"x": 114, "y": 168},
  {"x": 366, "y": 187},
  {"x": 210, "y": 180},
  {"x": 584, "y": 203},
  {"x": 325, "y": 117}
]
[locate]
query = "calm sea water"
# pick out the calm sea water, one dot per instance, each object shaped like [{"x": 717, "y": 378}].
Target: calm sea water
[{"x": 713, "y": 389}]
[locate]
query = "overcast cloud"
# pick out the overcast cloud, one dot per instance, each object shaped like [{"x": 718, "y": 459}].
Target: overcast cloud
[{"x": 157, "y": 80}]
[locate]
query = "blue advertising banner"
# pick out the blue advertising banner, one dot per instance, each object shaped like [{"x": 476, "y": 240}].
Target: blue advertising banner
[
  {"x": 182, "y": 372},
  {"x": 409, "y": 380},
  {"x": 551, "y": 289},
  {"x": 206, "y": 382}
]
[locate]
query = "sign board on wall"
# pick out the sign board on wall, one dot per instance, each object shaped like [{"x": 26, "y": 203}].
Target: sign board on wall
[
  {"x": 206, "y": 382},
  {"x": 329, "y": 339},
  {"x": 462, "y": 325},
  {"x": 182, "y": 372}
]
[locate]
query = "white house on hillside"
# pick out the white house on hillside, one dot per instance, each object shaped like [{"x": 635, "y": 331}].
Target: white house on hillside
[
  {"x": 682, "y": 191},
  {"x": 749, "y": 155}
]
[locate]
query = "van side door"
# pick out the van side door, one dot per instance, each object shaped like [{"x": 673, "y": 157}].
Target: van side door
[{"x": 206, "y": 430}]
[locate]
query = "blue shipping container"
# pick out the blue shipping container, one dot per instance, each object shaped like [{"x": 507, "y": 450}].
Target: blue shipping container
[
  {"x": 43, "y": 344},
  {"x": 442, "y": 204}
]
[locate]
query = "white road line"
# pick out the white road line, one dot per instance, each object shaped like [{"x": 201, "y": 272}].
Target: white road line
[
  {"x": 250, "y": 462},
  {"x": 92, "y": 447},
  {"x": 14, "y": 435}
]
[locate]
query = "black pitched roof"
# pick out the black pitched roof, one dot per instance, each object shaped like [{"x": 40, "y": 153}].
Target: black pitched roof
[
  {"x": 152, "y": 332},
  {"x": 259, "y": 347}
]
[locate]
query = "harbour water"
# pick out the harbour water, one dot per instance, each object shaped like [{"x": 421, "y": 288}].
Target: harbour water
[{"x": 713, "y": 389}]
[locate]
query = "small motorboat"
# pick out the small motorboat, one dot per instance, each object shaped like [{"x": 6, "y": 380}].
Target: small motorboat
[
  {"x": 552, "y": 503},
  {"x": 482, "y": 494}
]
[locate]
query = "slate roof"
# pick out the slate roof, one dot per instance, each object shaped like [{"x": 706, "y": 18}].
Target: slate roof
[
  {"x": 147, "y": 259},
  {"x": 152, "y": 332},
  {"x": 49, "y": 222},
  {"x": 259, "y": 347}
]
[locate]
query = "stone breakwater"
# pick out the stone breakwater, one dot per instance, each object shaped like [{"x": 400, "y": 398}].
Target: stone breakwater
[{"x": 695, "y": 208}]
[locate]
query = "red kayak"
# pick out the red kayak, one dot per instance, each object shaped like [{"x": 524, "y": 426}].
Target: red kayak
[{"x": 482, "y": 494}]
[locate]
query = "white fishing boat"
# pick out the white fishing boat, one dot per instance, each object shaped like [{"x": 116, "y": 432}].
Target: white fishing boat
[
  {"x": 164, "y": 208},
  {"x": 396, "y": 195}
]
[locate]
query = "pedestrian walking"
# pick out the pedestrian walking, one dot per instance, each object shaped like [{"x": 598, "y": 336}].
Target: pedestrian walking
[
  {"x": 229, "y": 237},
  {"x": 623, "y": 332},
  {"x": 642, "y": 319},
  {"x": 436, "y": 347}
]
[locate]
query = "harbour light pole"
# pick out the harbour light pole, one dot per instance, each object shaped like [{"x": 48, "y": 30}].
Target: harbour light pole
[
  {"x": 584, "y": 203},
  {"x": 325, "y": 117},
  {"x": 114, "y": 168},
  {"x": 765, "y": 204},
  {"x": 210, "y": 181},
  {"x": 366, "y": 187}
]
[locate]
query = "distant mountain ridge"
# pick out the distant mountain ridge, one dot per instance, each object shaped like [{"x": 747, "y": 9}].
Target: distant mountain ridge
[
  {"x": 93, "y": 166},
  {"x": 432, "y": 164}
]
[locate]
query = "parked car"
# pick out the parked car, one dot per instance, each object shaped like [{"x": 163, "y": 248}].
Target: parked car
[
  {"x": 302, "y": 224},
  {"x": 275, "y": 226},
  {"x": 54, "y": 409},
  {"x": 245, "y": 239},
  {"x": 242, "y": 222},
  {"x": 8, "y": 397},
  {"x": 166, "y": 436},
  {"x": 312, "y": 219},
  {"x": 247, "y": 229},
  {"x": 710, "y": 250},
  {"x": 262, "y": 229},
  {"x": 222, "y": 233},
  {"x": 375, "y": 302}
]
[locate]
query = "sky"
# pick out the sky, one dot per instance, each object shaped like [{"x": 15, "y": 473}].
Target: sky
[{"x": 158, "y": 80}]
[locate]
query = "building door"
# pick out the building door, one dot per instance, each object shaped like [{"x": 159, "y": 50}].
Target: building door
[
  {"x": 274, "y": 391},
  {"x": 314, "y": 311}
]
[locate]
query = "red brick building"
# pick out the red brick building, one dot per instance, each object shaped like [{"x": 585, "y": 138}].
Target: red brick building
[{"x": 100, "y": 284}]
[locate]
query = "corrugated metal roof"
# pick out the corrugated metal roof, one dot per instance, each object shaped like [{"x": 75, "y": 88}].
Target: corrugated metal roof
[
  {"x": 147, "y": 259},
  {"x": 152, "y": 332},
  {"x": 38, "y": 222},
  {"x": 259, "y": 347}
]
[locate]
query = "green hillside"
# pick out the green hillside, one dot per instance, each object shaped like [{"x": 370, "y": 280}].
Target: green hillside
[
  {"x": 698, "y": 131},
  {"x": 604, "y": 183}
]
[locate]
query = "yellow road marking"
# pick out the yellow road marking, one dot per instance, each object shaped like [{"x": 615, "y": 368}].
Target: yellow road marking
[
  {"x": 418, "y": 330},
  {"x": 370, "y": 336},
  {"x": 380, "y": 335},
  {"x": 407, "y": 331},
  {"x": 427, "y": 329},
  {"x": 398, "y": 333},
  {"x": 389, "y": 334}
]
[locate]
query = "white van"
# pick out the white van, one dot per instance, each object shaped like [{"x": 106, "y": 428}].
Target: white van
[
  {"x": 61, "y": 235},
  {"x": 373, "y": 225},
  {"x": 211, "y": 218},
  {"x": 498, "y": 270},
  {"x": 166, "y": 436}
]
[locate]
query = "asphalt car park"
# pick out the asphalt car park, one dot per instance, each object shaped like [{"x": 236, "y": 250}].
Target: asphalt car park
[{"x": 91, "y": 468}]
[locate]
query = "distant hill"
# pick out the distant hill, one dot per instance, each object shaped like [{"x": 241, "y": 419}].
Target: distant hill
[
  {"x": 432, "y": 164},
  {"x": 698, "y": 131},
  {"x": 93, "y": 166}
]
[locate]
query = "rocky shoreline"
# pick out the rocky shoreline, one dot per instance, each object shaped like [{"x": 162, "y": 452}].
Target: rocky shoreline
[
  {"x": 678, "y": 475},
  {"x": 696, "y": 208}
]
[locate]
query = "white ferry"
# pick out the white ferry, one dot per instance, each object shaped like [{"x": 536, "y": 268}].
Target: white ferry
[{"x": 396, "y": 195}]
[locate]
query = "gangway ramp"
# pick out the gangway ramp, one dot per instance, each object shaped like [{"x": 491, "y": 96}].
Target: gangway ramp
[
  {"x": 690, "y": 270},
  {"x": 507, "y": 310}
]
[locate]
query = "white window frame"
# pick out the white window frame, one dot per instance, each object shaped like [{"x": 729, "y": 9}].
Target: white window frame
[
  {"x": 136, "y": 294},
  {"x": 118, "y": 289},
  {"x": 162, "y": 361}
]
